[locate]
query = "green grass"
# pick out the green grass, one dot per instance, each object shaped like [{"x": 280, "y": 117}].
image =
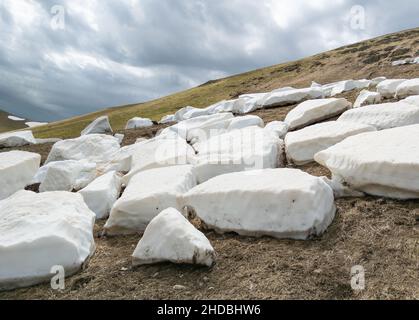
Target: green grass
[{"x": 342, "y": 63}]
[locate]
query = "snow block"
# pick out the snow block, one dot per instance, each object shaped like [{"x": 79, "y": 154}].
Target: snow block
[
  {"x": 367, "y": 97},
  {"x": 282, "y": 203},
  {"x": 245, "y": 121},
  {"x": 16, "y": 139},
  {"x": 171, "y": 237},
  {"x": 313, "y": 111},
  {"x": 407, "y": 88},
  {"x": 383, "y": 116},
  {"x": 97, "y": 148},
  {"x": 17, "y": 168},
  {"x": 100, "y": 125},
  {"x": 66, "y": 175},
  {"x": 147, "y": 194},
  {"x": 101, "y": 194},
  {"x": 138, "y": 123},
  {"x": 388, "y": 88},
  {"x": 158, "y": 153},
  {"x": 279, "y": 128},
  {"x": 39, "y": 231},
  {"x": 302, "y": 145},
  {"x": 282, "y": 98},
  {"x": 239, "y": 150},
  {"x": 383, "y": 163}
]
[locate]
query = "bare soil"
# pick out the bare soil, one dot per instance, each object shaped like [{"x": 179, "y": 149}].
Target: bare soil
[{"x": 379, "y": 234}]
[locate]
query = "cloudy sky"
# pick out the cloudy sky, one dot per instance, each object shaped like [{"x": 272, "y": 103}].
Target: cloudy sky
[{"x": 62, "y": 58}]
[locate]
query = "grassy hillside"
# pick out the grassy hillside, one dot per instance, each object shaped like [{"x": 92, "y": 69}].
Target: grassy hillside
[
  {"x": 367, "y": 59},
  {"x": 7, "y": 125}
]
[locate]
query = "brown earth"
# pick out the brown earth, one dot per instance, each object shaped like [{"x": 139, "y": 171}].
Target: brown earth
[{"x": 381, "y": 235}]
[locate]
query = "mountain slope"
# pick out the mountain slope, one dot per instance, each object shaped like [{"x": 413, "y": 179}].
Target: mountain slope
[
  {"x": 368, "y": 59},
  {"x": 7, "y": 125}
]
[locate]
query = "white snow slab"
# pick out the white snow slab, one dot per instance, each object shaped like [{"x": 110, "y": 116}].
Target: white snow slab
[
  {"x": 147, "y": 194},
  {"x": 157, "y": 153},
  {"x": 200, "y": 128},
  {"x": 367, "y": 97},
  {"x": 14, "y": 118},
  {"x": 281, "y": 98},
  {"x": 245, "y": 121},
  {"x": 412, "y": 100},
  {"x": 33, "y": 124},
  {"x": 279, "y": 128},
  {"x": 138, "y": 123},
  {"x": 239, "y": 150},
  {"x": 283, "y": 203},
  {"x": 102, "y": 193},
  {"x": 16, "y": 139},
  {"x": 384, "y": 116},
  {"x": 171, "y": 237},
  {"x": 349, "y": 85},
  {"x": 196, "y": 112},
  {"x": 65, "y": 175},
  {"x": 179, "y": 115},
  {"x": 388, "y": 88},
  {"x": 168, "y": 119},
  {"x": 100, "y": 125},
  {"x": 121, "y": 160},
  {"x": 39, "y": 231},
  {"x": 234, "y": 106},
  {"x": 312, "y": 111},
  {"x": 408, "y": 88},
  {"x": 302, "y": 145},
  {"x": 97, "y": 148},
  {"x": 120, "y": 137},
  {"x": 383, "y": 163},
  {"x": 17, "y": 168},
  {"x": 377, "y": 80}
]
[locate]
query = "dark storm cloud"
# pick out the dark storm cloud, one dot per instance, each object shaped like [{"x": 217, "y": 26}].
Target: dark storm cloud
[{"x": 119, "y": 52}]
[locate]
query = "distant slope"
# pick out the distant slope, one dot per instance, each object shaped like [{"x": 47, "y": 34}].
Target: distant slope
[
  {"x": 368, "y": 59},
  {"x": 7, "y": 125}
]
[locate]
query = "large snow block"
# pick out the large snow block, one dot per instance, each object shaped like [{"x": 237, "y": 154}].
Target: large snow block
[
  {"x": 17, "y": 168},
  {"x": 244, "y": 122},
  {"x": 157, "y": 153},
  {"x": 138, "y": 123},
  {"x": 412, "y": 100},
  {"x": 16, "y": 139},
  {"x": 388, "y": 88},
  {"x": 302, "y": 145},
  {"x": 239, "y": 150},
  {"x": 408, "y": 88},
  {"x": 66, "y": 175},
  {"x": 367, "y": 97},
  {"x": 282, "y": 98},
  {"x": 279, "y": 128},
  {"x": 97, "y": 148},
  {"x": 101, "y": 194},
  {"x": 100, "y": 125},
  {"x": 200, "y": 128},
  {"x": 283, "y": 203},
  {"x": 383, "y": 116},
  {"x": 383, "y": 163},
  {"x": 40, "y": 231},
  {"x": 147, "y": 194},
  {"x": 349, "y": 85},
  {"x": 313, "y": 111},
  {"x": 171, "y": 237}
]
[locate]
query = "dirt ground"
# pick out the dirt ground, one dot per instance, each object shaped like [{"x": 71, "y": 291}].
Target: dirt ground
[{"x": 379, "y": 234}]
